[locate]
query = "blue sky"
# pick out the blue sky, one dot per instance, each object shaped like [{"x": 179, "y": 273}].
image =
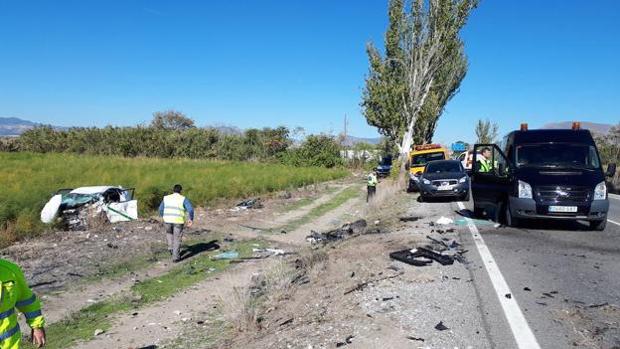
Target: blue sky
[{"x": 298, "y": 63}]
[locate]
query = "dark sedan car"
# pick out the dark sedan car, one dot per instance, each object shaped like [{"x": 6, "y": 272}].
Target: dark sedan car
[{"x": 444, "y": 179}]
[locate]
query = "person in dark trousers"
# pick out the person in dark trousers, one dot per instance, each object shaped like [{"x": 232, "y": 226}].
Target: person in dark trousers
[
  {"x": 177, "y": 213},
  {"x": 371, "y": 185}
]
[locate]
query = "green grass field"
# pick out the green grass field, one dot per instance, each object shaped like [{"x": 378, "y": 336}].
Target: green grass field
[{"x": 28, "y": 180}]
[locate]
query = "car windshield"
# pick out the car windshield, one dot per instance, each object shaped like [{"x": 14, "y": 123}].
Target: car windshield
[
  {"x": 422, "y": 159},
  {"x": 443, "y": 166},
  {"x": 558, "y": 155}
]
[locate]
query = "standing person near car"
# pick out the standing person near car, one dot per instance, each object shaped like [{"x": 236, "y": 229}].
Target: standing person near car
[
  {"x": 177, "y": 212},
  {"x": 484, "y": 160},
  {"x": 371, "y": 185},
  {"x": 15, "y": 294}
]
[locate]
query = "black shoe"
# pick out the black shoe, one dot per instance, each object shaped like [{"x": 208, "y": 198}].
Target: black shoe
[{"x": 176, "y": 260}]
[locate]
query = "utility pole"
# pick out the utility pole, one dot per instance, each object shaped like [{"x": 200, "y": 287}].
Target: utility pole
[{"x": 345, "y": 127}]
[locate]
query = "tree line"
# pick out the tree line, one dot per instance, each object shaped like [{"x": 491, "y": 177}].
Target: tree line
[{"x": 171, "y": 134}]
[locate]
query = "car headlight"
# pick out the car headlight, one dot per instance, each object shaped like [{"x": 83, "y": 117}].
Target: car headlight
[
  {"x": 600, "y": 191},
  {"x": 463, "y": 180},
  {"x": 426, "y": 181},
  {"x": 525, "y": 190}
]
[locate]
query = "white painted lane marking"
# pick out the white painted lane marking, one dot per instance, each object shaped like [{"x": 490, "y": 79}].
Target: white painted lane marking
[
  {"x": 614, "y": 222},
  {"x": 518, "y": 324}
]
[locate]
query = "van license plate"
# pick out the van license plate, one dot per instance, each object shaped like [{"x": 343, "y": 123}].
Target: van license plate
[{"x": 570, "y": 209}]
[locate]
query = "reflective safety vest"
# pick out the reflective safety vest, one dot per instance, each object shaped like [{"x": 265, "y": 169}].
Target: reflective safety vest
[
  {"x": 485, "y": 165},
  {"x": 372, "y": 180},
  {"x": 174, "y": 211},
  {"x": 15, "y": 294}
]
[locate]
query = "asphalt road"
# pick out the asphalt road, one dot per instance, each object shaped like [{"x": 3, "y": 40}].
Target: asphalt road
[{"x": 564, "y": 278}]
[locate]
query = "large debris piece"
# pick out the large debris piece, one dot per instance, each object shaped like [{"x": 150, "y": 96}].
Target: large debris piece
[
  {"x": 81, "y": 208},
  {"x": 250, "y": 204},
  {"x": 357, "y": 227}
]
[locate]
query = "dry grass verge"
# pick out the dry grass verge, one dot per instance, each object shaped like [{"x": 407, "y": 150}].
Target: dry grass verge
[{"x": 245, "y": 308}]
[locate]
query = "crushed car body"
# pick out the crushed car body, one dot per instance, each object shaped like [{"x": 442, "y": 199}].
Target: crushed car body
[{"x": 84, "y": 207}]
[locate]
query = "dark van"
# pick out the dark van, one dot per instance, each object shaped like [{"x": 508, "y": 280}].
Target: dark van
[{"x": 549, "y": 174}]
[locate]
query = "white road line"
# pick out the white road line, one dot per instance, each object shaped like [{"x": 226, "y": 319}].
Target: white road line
[
  {"x": 614, "y": 222},
  {"x": 518, "y": 324}
]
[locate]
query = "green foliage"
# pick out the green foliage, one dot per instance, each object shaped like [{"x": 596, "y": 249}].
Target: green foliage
[
  {"x": 423, "y": 66},
  {"x": 609, "y": 151},
  {"x": 486, "y": 131},
  {"x": 171, "y": 120},
  {"x": 28, "y": 180},
  {"x": 161, "y": 142},
  {"x": 316, "y": 150},
  {"x": 386, "y": 85}
]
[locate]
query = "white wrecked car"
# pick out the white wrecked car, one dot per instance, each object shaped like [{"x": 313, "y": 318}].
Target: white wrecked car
[{"x": 80, "y": 208}]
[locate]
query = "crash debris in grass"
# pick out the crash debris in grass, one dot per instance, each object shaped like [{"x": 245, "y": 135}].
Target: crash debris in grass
[
  {"x": 84, "y": 207},
  {"x": 357, "y": 227},
  {"x": 248, "y": 204}
]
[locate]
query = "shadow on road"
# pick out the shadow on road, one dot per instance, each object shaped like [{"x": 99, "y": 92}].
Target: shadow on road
[{"x": 200, "y": 247}]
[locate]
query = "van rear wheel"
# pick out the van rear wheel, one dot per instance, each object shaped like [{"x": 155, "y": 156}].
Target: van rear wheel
[{"x": 598, "y": 225}]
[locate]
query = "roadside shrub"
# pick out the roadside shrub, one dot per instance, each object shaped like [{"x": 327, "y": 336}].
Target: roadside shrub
[{"x": 316, "y": 150}]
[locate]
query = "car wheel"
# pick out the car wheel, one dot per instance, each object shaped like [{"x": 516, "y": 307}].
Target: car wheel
[
  {"x": 510, "y": 220},
  {"x": 421, "y": 198},
  {"x": 598, "y": 225}
]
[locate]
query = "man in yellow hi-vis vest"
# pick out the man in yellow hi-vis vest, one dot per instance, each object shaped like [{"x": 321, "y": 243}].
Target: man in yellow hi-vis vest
[
  {"x": 371, "y": 185},
  {"x": 177, "y": 212},
  {"x": 15, "y": 294}
]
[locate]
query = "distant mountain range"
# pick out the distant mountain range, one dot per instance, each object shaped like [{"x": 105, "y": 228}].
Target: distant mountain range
[
  {"x": 14, "y": 126},
  {"x": 601, "y": 129},
  {"x": 351, "y": 140}
]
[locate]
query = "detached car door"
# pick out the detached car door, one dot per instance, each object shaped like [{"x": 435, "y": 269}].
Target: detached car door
[{"x": 490, "y": 184}]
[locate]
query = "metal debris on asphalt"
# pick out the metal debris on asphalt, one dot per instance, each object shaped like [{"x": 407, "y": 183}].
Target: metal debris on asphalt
[
  {"x": 441, "y": 327},
  {"x": 409, "y": 219},
  {"x": 417, "y": 339}
]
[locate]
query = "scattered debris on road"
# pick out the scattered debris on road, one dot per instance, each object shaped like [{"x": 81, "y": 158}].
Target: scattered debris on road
[
  {"x": 444, "y": 220},
  {"x": 417, "y": 339},
  {"x": 421, "y": 257},
  {"x": 348, "y": 340},
  {"x": 441, "y": 327},
  {"x": 409, "y": 219}
]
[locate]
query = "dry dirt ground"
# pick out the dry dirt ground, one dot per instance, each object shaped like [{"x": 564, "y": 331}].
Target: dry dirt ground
[{"x": 345, "y": 293}]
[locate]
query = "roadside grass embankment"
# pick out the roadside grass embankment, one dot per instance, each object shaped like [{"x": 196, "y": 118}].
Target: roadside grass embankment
[
  {"x": 82, "y": 324},
  {"x": 28, "y": 180}
]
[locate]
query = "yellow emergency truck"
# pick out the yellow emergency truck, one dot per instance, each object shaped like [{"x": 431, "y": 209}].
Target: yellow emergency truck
[{"x": 419, "y": 156}]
